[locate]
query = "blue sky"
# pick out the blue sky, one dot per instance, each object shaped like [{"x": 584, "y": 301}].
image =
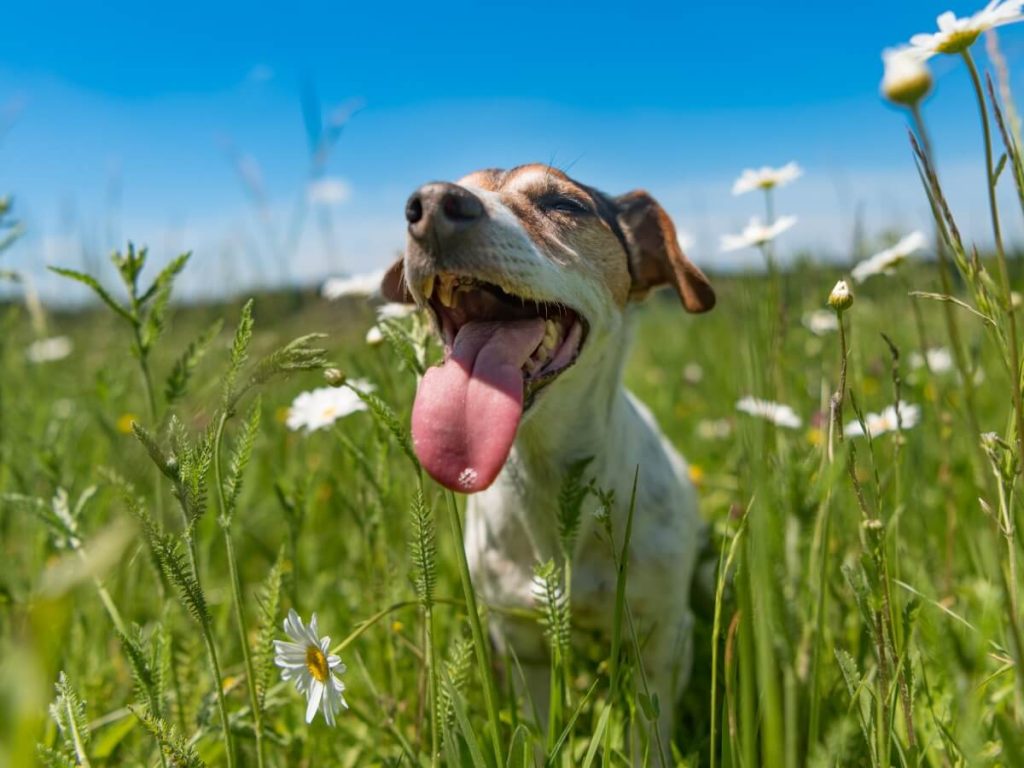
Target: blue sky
[{"x": 121, "y": 121}]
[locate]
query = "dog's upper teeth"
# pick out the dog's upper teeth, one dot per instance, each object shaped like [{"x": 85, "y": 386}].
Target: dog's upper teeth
[
  {"x": 551, "y": 334},
  {"x": 446, "y": 290},
  {"x": 428, "y": 287}
]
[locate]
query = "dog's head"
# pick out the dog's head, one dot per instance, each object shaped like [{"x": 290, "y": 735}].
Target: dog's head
[{"x": 525, "y": 273}]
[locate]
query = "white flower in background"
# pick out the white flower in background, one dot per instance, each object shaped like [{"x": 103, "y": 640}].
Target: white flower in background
[
  {"x": 714, "y": 429},
  {"x": 756, "y": 233},
  {"x": 394, "y": 310},
  {"x": 766, "y": 178},
  {"x": 841, "y": 297},
  {"x": 308, "y": 661},
  {"x": 820, "y": 322},
  {"x": 49, "y": 350},
  {"x": 957, "y": 35},
  {"x": 939, "y": 359},
  {"x": 355, "y": 285},
  {"x": 693, "y": 373},
  {"x": 328, "y": 191},
  {"x": 322, "y": 407},
  {"x": 374, "y": 336},
  {"x": 906, "y": 79},
  {"x": 884, "y": 262},
  {"x": 777, "y": 413},
  {"x": 886, "y": 421}
]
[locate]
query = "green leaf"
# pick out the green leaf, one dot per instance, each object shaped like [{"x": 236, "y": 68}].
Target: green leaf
[
  {"x": 68, "y": 711},
  {"x": 166, "y": 276},
  {"x": 239, "y": 350},
  {"x": 184, "y": 366},
  {"x": 386, "y": 417},
  {"x": 571, "y": 496},
  {"x": 168, "y": 465},
  {"x": 999, "y": 168},
  {"x": 398, "y": 337},
  {"x": 240, "y": 457},
  {"x": 423, "y": 548},
  {"x": 98, "y": 289},
  {"x": 269, "y": 605},
  {"x": 174, "y": 746}
]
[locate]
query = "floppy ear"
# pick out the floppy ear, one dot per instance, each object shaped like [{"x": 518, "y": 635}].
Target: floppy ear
[
  {"x": 392, "y": 285},
  {"x": 655, "y": 257}
]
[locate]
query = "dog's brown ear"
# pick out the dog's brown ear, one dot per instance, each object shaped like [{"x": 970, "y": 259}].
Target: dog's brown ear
[
  {"x": 393, "y": 287},
  {"x": 655, "y": 257}
]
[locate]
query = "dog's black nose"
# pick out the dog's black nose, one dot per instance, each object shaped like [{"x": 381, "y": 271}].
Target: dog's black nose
[{"x": 442, "y": 209}]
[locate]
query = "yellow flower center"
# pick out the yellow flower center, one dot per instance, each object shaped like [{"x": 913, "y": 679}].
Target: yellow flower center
[
  {"x": 958, "y": 41},
  {"x": 316, "y": 663}
]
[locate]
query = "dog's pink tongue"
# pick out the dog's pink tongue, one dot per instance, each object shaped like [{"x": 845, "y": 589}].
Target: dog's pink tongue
[{"x": 467, "y": 410}]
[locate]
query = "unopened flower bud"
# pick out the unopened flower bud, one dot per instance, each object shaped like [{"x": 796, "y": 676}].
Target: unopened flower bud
[
  {"x": 907, "y": 79},
  {"x": 841, "y": 298},
  {"x": 334, "y": 377}
]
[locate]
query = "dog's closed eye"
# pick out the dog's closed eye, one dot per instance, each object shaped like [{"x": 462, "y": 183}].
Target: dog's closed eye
[{"x": 559, "y": 203}]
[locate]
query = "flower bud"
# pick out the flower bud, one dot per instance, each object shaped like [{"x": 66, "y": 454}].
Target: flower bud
[
  {"x": 841, "y": 298},
  {"x": 907, "y": 79},
  {"x": 334, "y": 377}
]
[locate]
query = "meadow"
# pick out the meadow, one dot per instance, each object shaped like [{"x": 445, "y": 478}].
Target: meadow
[{"x": 164, "y": 503}]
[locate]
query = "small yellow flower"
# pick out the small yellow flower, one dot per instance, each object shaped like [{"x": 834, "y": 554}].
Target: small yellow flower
[
  {"x": 696, "y": 474},
  {"x": 397, "y": 626},
  {"x": 124, "y": 423},
  {"x": 815, "y": 436}
]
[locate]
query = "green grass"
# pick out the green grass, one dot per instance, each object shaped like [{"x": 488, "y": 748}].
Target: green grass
[
  {"x": 335, "y": 506},
  {"x": 158, "y": 520}
]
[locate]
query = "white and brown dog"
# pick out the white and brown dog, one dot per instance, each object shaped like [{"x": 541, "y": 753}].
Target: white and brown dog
[{"x": 529, "y": 276}]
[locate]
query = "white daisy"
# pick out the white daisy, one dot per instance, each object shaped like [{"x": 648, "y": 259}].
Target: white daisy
[
  {"x": 321, "y": 407},
  {"x": 884, "y": 262},
  {"x": 940, "y": 360},
  {"x": 886, "y": 421},
  {"x": 906, "y": 79},
  {"x": 374, "y": 336},
  {"x": 957, "y": 35},
  {"x": 49, "y": 350},
  {"x": 766, "y": 178},
  {"x": 308, "y": 661},
  {"x": 354, "y": 285},
  {"x": 820, "y": 322},
  {"x": 756, "y": 233},
  {"x": 777, "y": 413}
]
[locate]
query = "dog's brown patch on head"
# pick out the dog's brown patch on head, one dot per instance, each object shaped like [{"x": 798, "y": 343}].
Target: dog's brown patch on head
[{"x": 571, "y": 223}]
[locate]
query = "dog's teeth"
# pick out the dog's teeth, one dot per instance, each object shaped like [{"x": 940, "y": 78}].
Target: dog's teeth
[
  {"x": 428, "y": 287},
  {"x": 446, "y": 290},
  {"x": 551, "y": 334}
]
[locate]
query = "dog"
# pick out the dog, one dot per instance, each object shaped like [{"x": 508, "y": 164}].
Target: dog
[{"x": 530, "y": 278}]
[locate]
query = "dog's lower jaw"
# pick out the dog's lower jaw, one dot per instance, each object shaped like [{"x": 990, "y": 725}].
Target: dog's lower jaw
[{"x": 514, "y": 524}]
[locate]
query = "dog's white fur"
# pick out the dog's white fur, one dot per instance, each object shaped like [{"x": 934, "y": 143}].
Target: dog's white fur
[{"x": 586, "y": 412}]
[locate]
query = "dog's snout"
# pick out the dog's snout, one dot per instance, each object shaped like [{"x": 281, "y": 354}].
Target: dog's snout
[{"x": 441, "y": 209}]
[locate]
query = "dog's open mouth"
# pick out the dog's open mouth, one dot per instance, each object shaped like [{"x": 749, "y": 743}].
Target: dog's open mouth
[{"x": 500, "y": 351}]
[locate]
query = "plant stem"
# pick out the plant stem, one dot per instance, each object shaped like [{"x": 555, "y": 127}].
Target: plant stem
[
  {"x": 479, "y": 641},
  {"x": 1004, "y": 274},
  {"x": 952, "y": 326},
  {"x": 236, "y": 590}
]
